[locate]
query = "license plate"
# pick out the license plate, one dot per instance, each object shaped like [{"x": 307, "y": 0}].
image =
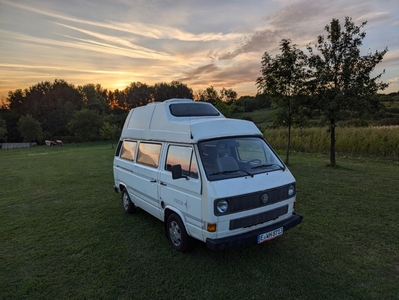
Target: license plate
[{"x": 267, "y": 236}]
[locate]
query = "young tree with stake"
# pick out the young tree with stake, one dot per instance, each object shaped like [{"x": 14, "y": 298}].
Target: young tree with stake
[{"x": 341, "y": 77}]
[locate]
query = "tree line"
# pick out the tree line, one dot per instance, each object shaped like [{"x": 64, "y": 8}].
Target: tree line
[
  {"x": 59, "y": 110},
  {"x": 331, "y": 82}
]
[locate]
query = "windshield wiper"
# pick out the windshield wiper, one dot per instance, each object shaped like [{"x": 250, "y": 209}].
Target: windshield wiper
[
  {"x": 233, "y": 171},
  {"x": 267, "y": 166}
]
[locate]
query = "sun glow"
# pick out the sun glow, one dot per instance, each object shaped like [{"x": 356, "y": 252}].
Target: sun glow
[{"x": 121, "y": 85}]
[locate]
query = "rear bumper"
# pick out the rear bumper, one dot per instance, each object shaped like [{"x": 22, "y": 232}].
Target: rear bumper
[{"x": 251, "y": 237}]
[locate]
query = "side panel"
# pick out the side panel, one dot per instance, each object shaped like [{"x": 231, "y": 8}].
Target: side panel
[
  {"x": 123, "y": 171},
  {"x": 143, "y": 189},
  {"x": 140, "y": 179},
  {"x": 144, "y": 183}
]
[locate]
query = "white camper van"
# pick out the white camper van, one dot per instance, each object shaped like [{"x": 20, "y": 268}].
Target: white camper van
[{"x": 205, "y": 176}]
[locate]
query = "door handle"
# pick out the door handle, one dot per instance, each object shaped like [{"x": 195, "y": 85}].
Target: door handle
[
  {"x": 153, "y": 180},
  {"x": 163, "y": 183}
]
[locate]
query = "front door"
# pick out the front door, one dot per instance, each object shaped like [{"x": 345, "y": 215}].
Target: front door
[{"x": 183, "y": 194}]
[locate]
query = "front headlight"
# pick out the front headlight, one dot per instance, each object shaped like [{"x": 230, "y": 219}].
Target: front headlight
[
  {"x": 291, "y": 190},
  {"x": 222, "y": 206}
]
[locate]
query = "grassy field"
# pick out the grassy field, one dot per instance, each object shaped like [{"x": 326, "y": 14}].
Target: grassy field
[
  {"x": 63, "y": 235},
  {"x": 261, "y": 117},
  {"x": 353, "y": 141}
]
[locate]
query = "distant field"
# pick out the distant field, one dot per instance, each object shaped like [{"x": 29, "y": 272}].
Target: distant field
[
  {"x": 63, "y": 235},
  {"x": 372, "y": 141},
  {"x": 380, "y": 142},
  {"x": 262, "y": 117},
  {"x": 265, "y": 117}
]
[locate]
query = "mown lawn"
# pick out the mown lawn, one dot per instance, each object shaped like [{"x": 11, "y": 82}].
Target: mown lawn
[{"x": 63, "y": 234}]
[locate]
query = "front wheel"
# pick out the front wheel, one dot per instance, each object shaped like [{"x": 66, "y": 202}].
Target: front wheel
[
  {"x": 127, "y": 204},
  {"x": 177, "y": 234}
]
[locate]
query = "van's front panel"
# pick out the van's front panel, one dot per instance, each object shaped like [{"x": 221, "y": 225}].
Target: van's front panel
[
  {"x": 248, "y": 188},
  {"x": 250, "y": 202}
]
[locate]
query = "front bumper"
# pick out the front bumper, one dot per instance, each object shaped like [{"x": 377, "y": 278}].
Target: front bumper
[{"x": 251, "y": 237}]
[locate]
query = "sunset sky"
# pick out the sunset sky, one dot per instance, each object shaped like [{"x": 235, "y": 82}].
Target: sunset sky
[{"x": 199, "y": 43}]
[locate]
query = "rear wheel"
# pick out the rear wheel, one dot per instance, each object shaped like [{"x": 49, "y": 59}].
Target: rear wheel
[
  {"x": 127, "y": 204},
  {"x": 177, "y": 234}
]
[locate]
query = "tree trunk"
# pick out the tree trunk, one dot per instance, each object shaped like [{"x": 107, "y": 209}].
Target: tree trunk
[
  {"x": 332, "y": 145},
  {"x": 288, "y": 145}
]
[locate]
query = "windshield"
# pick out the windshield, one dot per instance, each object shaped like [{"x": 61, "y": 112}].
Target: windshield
[{"x": 235, "y": 157}]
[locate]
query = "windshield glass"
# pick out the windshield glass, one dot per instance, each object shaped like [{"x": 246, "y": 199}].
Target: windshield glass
[{"x": 239, "y": 156}]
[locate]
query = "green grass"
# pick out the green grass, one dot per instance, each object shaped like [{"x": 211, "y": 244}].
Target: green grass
[
  {"x": 63, "y": 235},
  {"x": 261, "y": 117}
]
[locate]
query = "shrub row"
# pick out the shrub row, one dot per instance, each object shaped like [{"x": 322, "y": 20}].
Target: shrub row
[{"x": 363, "y": 141}]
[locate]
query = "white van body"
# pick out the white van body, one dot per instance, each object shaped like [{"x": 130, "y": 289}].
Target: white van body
[{"x": 206, "y": 176}]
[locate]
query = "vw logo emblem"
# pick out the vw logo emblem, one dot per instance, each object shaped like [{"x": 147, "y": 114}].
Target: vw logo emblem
[{"x": 265, "y": 198}]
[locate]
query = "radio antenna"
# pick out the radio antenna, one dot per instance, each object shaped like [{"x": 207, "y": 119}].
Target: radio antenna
[{"x": 189, "y": 121}]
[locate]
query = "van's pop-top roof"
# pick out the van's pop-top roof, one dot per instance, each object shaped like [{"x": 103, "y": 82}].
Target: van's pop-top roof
[{"x": 182, "y": 120}]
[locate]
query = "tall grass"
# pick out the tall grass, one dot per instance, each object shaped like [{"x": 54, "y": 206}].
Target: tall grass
[{"x": 354, "y": 141}]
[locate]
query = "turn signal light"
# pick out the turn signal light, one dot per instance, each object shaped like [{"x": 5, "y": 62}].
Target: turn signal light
[{"x": 211, "y": 227}]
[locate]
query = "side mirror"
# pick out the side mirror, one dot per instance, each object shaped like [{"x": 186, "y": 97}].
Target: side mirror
[{"x": 177, "y": 172}]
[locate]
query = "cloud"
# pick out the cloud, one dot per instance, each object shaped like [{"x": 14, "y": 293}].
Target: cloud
[
  {"x": 217, "y": 43},
  {"x": 295, "y": 21},
  {"x": 90, "y": 45},
  {"x": 257, "y": 42},
  {"x": 148, "y": 30},
  {"x": 167, "y": 32},
  {"x": 117, "y": 45},
  {"x": 197, "y": 72},
  {"x": 228, "y": 77}
]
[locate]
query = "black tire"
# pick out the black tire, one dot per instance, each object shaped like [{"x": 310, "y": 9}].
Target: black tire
[
  {"x": 177, "y": 234},
  {"x": 127, "y": 204}
]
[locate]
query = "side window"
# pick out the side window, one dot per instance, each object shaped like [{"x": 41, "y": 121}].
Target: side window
[
  {"x": 184, "y": 156},
  {"x": 118, "y": 148},
  {"x": 148, "y": 154},
  {"x": 128, "y": 150}
]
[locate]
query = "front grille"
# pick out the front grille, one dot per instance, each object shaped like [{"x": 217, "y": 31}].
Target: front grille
[
  {"x": 254, "y": 200},
  {"x": 259, "y": 218}
]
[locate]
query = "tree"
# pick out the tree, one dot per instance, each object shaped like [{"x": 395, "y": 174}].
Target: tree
[
  {"x": 212, "y": 96},
  {"x": 228, "y": 95},
  {"x": 284, "y": 78},
  {"x": 110, "y": 132},
  {"x": 251, "y": 103},
  {"x": 164, "y": 91},
  {"x": 341, "y": 76},
  {"x": 208, "y": 95},
  {"x": 137, "y": 94},
  {"x": 30, "y": 128},
  {"x": 44, "y": 98},
  {"x": 3, "y": 129},
  {"x": 49, "y": 103},
  {"x": 85, "y": 125},
  {"x": 93, "y": 98},
  {"x": 58, "y": 119},
  {"x": 16, "y": 101}
]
